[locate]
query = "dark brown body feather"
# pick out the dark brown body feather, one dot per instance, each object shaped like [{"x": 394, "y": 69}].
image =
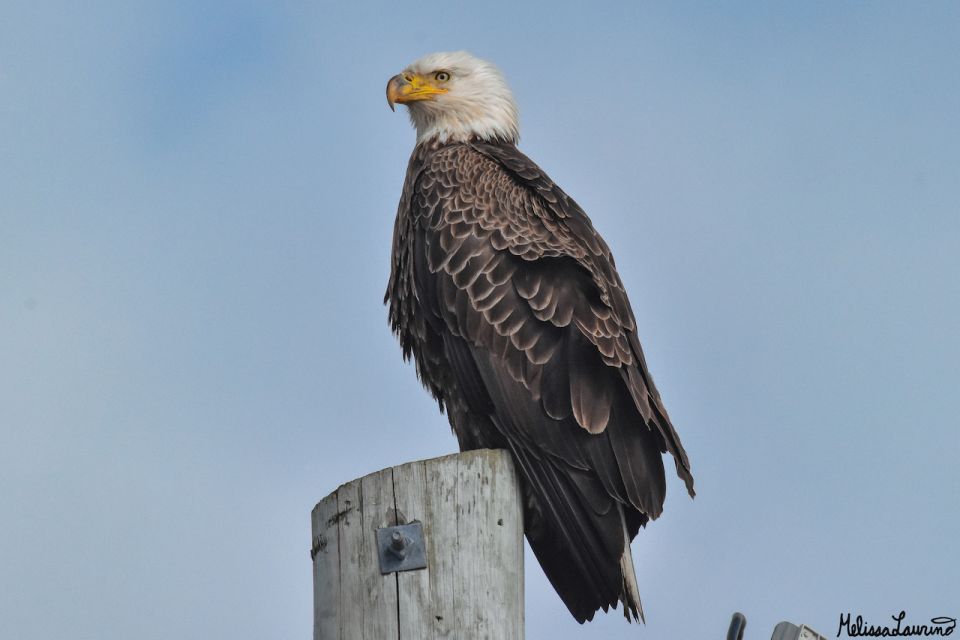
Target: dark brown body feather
[{"x": 510, "y": 304}]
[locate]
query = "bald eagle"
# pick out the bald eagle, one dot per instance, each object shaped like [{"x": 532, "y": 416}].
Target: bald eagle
[{"x": 511, "y": 306}]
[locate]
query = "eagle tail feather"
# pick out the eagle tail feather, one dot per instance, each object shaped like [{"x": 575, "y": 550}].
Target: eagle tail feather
[
  {"x": 584, "y": 552},
  {"x": 630, "y": 595}
]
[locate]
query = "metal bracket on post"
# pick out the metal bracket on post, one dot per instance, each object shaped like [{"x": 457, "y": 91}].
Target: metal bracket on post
[
  {"x": 401, "y": 548},
  {"x": 783, "y": 631},
  {"x": 788, "y": 631}
]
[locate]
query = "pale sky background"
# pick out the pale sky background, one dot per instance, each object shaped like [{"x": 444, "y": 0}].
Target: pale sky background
[{"x": 196, "y": 202}]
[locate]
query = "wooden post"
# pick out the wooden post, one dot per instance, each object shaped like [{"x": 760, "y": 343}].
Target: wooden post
[{"x": 472, "y": 588}]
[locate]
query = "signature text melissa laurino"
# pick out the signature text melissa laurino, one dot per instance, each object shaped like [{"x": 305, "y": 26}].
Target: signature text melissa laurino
[{"x": 856, "y": 627}]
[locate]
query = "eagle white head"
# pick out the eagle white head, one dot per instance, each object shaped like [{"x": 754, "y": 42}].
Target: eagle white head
[{"x": 455, "y": 97}]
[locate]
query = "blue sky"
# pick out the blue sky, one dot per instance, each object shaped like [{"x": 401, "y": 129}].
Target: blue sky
[{"x": 194, "y": 239}]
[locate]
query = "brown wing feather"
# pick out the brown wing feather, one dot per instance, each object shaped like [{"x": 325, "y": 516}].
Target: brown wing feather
[
  {"x": 511, "y": 305},
  {"x": 614, "y": 333}
]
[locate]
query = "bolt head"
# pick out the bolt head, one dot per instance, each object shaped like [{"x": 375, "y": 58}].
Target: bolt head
[{"x": 397, "y": 541}]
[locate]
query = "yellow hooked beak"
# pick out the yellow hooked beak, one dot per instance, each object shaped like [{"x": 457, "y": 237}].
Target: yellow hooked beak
[{"x": 411, "y": 87}]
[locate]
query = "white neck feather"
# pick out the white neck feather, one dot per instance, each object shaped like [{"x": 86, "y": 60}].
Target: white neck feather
[{"x": 489, "y": 121}]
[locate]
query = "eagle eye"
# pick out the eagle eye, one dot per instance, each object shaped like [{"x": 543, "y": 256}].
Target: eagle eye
[{"x": 442, "y": 76}]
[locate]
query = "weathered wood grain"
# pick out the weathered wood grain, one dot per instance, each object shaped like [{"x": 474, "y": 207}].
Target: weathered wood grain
[
  {"x": 325, "y": 552},
  {"x": 472, "y": 588},
  {"x": 368, "y": 608}
]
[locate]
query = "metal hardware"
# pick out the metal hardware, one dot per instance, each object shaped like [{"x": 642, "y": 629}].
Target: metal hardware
[
  {"x": 788, "y": 631},
  {"x": 737, "y": 625},
  {"x": 401, "y": 548},
  {"x": 783, "y": 631},
  {"x": 398, "y": 545}
]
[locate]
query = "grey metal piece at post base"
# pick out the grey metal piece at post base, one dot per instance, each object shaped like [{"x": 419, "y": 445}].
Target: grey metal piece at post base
[{"x": 783, "y": 631}]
